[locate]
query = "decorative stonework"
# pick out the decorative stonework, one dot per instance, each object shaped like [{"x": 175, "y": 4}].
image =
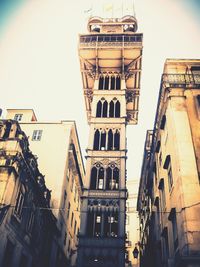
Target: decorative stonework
[
  {"x": 89, "y": 94},
  {"x": 105, "y": 162},
  {"x": 131, "y": 95}
]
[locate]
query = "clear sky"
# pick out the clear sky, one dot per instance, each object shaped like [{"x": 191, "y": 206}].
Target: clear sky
[{"x": 39, "y": 65}]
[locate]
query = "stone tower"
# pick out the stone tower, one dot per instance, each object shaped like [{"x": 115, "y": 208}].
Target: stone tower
[{"x": 110, "y": 60}]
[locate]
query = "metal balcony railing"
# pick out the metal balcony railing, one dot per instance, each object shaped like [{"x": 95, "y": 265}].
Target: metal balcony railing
[
  {"x": 110, "y": 38},
  {"x": 179, "y": 80}
]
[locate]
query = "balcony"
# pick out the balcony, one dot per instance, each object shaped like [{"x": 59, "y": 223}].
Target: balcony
[
  {"x": 103, "y": 40},
  {"x": 181, "y": 80}
]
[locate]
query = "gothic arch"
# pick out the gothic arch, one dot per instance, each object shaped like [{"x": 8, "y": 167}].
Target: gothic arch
[
  {"x": 106, "y": 84},
  {"x": 117, "y": 109},
  {"x": 101, "y": 82},
  {"x": 99, "y": 109},
  {"x": 96, "y": 140},
  {"x": 112, "y": 85},
  {"x": 118, "y": 83},
  {"x": 105, "y": 109},
  {"x": 117, "y": 140},
  {"x": 111, "y": 109}
]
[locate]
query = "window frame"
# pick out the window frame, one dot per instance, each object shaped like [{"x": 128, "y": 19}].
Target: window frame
[
  {"x": 37, "y": 135},
  {"x": 18, "y": 116},
  {"x": 19, "y": 202}
]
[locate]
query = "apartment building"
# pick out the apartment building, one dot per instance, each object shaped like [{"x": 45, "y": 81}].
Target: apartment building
[
  {"x": 57, "y": 148},
  {"x": 169, "y": 194}
]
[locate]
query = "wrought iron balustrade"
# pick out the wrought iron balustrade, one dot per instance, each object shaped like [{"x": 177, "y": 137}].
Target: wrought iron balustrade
[
  {"x": 111, "y": 38},
  {"x": 179, "y": 80}
]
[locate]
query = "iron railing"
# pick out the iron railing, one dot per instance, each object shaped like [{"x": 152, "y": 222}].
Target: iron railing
[
  {"x": 179, "y": 80},
  {"x": 111, "y": 38}
]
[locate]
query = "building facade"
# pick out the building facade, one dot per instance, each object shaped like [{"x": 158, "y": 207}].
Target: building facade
[
  {"x": 132, "y": 223},
  {"x": 27, "y": 227},
  {"x": 169, "y": 194},
  {"x": 110, "y": 60},
  {"x": 59, "y": 156}
]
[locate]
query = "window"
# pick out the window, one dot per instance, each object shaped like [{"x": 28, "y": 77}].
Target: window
[
  {"x": 97, "y": 177},
  {"x": 94, "y": 224},
  {"x": 109, "y": 82},
  {"x": 163, "y": 122},
  {"x": 168, "y": 167},
  {"x": 118, "y": 83},
  {"x": 111, "y": 224},
  {"x": 112, "y": 178},
  {"x": 19, "y": 202},
  {"x": 108, "y": 109},
  {"x": 106, "y": 140},
  {"x": 97, "y": 228},
  {"x": 18, "y": 117},
  {"x": 172, "y": 217},
  {"x": 37, "y": 134},
  {"x": 158, "y": 146},
  {"x": 161, "y": 187}
]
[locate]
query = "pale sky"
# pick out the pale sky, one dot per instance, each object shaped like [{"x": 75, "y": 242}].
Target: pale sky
[{"x": 39, "y": 65}]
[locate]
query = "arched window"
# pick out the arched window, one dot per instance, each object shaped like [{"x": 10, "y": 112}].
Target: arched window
[
  {"x": 111, "y": 225},
  {"x": 96, "y": 140},
  {"x": 108, "y": 178},
  {"x": 112, "y": 87},
  {"x": 93, "y": 178},
  {"x": 115, "y": 181},
  {"x": 117, "y": 109},
  {"x": 103, "y": 141},
  {"x": 99, "y": 108},
  {"x": 100, "y": 181},
  {"x": 110, "y": 140},
  {"x": 106, "y": 85},
  {"x": 105, "y": 109},
  {"x": 116, "y": 140},
  {"x": 118, "y": 83},
  {"x": 111, "y": 109},
  {"x": 112, "y": 178},
  {"x": 101, "y": 80},
  {"x": 97, "y": 178}
]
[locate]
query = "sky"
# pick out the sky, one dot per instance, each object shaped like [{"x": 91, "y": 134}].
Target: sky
[{"x": 39, "y": 64}]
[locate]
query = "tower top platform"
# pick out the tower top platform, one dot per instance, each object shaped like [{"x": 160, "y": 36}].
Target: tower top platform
[
  {"x": 115, "y": 25},
  {"x": 112, "y": 48}
]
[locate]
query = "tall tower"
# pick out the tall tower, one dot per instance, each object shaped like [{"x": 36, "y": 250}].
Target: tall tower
[{"x": 110, "y": 59}]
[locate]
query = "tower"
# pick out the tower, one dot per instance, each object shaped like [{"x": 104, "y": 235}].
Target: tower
[{"x": 110, "y": 59}]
